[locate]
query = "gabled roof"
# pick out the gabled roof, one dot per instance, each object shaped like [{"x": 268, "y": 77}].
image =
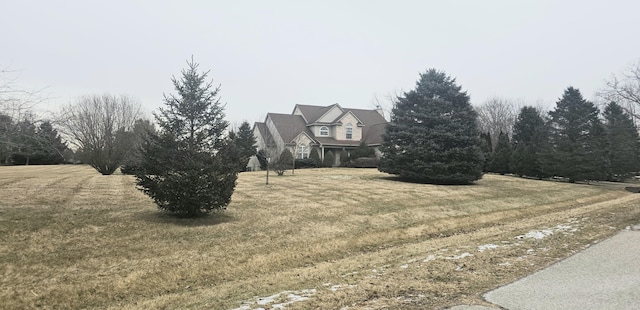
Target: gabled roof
[
  {"x": 312, "y": 113},
  {"x": 339, "y": 118},
  {"x": 375, "y": 125},
  {"x": 289, "y": 126},
  {"x": 368, "y": 117}
]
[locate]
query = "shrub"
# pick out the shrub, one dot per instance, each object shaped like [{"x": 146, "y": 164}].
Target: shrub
[
  {"x": 329, "y": 159},
  {"x": 315, "y": 156},
  {"x": 306, "y": 163},
  {"x": 344, "y": 158},
  {"x": 364, "y": 162},
  {"x": 363, "y": 150},
  {"x": 284, "y": 162}
]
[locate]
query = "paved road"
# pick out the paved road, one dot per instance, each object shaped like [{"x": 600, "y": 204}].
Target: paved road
[{"x": 604, "y": 276}]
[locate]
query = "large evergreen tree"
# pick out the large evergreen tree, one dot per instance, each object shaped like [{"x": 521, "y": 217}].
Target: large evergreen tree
[
  {"x": 575, "y": 139},
  {"x": 622, "y": 143},
  {"x": 186, "y": 168},
  {"x": 528, "y": 140},
  {"x": 433, "y": 134}
]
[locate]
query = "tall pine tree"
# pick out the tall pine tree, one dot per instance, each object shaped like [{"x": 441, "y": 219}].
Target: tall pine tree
[
  {"x": 186, "y": 168},
  {"x": 49, "y": 146},
  {"x": 575, "y": 139},
  {"x": 246, "y": 141},
  {"x": 529, "y": 136},
  {"x": 433, "y": 134},
  {"x": 487, "y": 150},
  {"x": 622, "y": 143},
  {"x": 502, "y": 155}
]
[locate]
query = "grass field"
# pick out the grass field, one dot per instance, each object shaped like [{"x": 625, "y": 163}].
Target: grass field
[{"x": 322, "y": 238}]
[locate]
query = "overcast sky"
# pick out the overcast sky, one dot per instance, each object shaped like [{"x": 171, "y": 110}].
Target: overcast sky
[{"x": 270, "y": 55}]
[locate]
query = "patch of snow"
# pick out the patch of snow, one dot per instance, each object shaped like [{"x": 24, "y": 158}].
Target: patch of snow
[
  {"x": 484, "y": 247},
  {"x": 404, "y": 266},
  {"x": 461, "y": 256},
  {"x": 268, "y": 300},
  {"x": 565, "y": 228},
  {"x": 338, "y": 287},
  {"x": 536, "y": 234},
  {"x": 429, "y": 258},
  {"x": 290, "y": 297}
]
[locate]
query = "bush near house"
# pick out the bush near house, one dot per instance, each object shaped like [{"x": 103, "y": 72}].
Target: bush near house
[
  {"x": 364, "y": 162},
  {"x": 306, "y": 163},
  {"x": 329, "y": 159},
  {"x": 284, "y": 162},
  {"x": 315, "y": 156},
  {"x": 344, "y": 158}
]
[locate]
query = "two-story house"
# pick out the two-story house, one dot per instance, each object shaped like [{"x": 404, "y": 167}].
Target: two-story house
[{"x": 320, "y": 129}]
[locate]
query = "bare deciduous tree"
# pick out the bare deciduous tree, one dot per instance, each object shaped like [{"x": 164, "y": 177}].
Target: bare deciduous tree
[
  {"x": 386, "y": 104},
  {"x": 497, "y": 115},
  {"x": 16, "y": 109},
  {"x": 624, "y": 89},
  {"x": 100, "y": 127}
]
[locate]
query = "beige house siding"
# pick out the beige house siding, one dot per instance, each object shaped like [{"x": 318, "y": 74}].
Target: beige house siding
[
  {"x": 341, "y": 131},
  {"x": 259, "y": 138},
  {"x": 301, "y": 139}
]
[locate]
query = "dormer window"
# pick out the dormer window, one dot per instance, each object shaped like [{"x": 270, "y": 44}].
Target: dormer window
[
  {"x": 324, "y": 131},
  {"x": 349, "y": 131}
]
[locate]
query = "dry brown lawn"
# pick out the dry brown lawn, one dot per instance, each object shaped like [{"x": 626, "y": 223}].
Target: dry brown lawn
[{"x": 319, "y": 239}]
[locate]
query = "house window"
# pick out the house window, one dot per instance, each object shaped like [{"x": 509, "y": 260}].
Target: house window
[
  {"x": 324, "y": 131},
  {"x": 302, "y": 152},
  {"x": 349, "y": 131}
]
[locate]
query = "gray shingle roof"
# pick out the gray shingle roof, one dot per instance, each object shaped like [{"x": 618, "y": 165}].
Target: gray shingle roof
[
  {"x": 289, "y": 126},
  {"x": 374, "y": 122},
  {"x": 313, "y": 112}
]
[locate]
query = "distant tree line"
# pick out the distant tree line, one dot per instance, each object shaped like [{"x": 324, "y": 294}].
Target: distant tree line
[
  {"x": 575, "y": 141},
  {"x": 30, "y": 142},
  {"x": 24, "y": 138}
]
